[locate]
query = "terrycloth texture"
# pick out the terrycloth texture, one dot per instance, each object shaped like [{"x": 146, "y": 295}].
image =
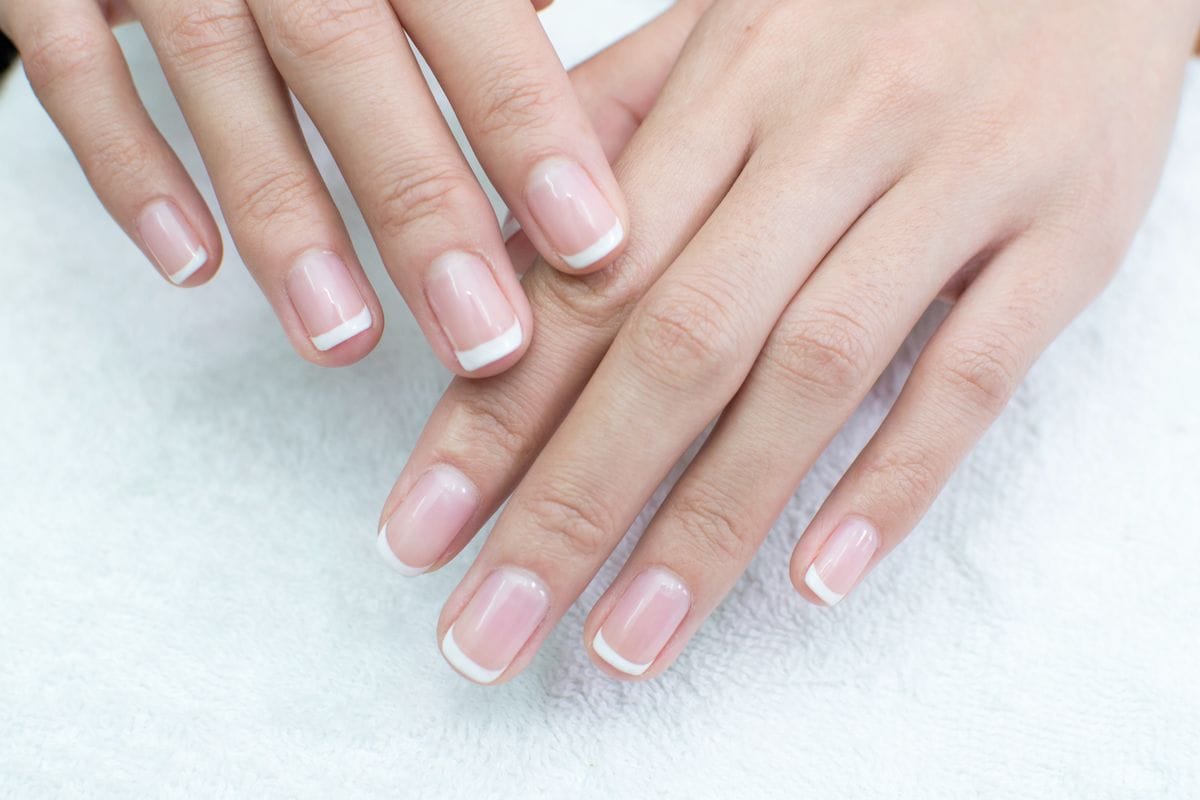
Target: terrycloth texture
[{"x": 191, "y": 603}]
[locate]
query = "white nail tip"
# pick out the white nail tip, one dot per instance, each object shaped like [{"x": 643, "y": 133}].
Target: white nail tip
[
  {"x": 347, "y": 330},
  {"x": 813, "y": 580},
  {"x": 491, "y": 352},
  {"x": 603, "y": 246},
  {"x": 510, "y": 228},
  {"x": 463, "y": 663},
  {"x": 615, "y": 659},
  {"x": 191, "y": 268},
  {"x": 388, "y": 555}
]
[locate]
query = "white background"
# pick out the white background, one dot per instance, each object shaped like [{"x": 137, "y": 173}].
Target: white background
[{"x": 191, "y": 604}]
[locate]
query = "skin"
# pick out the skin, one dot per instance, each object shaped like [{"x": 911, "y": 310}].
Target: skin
[
  {"x": 231, "y": 64},
  {"x": 811, "y": 178}
]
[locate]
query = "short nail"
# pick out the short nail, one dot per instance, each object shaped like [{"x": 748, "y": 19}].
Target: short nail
[
  {"x": 842, "y": 559},
  {"x": 642, "y": 621},
  {"x": 429, "y": 518},
  {"x": 510, "y": 228},
  {"x": 327, "y": 299},
  {"x": 574, "y": 216},
  {"x": 172, "y": 242},
  {"x": 474, "y": 314},
  {"x": 497, "y": 622}
]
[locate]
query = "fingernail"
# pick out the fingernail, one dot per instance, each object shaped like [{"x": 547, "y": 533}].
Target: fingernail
[
  {"x": 842, "y": 560},
  {"x": 510, "y": 228},
  {"x": 496, "y": 624},
  {"x": 327, "y": 299},
  {"x": 572, "y": 213},
  {"x": 642, "y": 621},
  {"x": 475, "y": 315},
  {"x": 431, "y": 515},
  {"x": 172, "y": 242}
]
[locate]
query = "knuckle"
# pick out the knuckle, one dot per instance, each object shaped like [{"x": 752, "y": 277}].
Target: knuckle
[
  {"x": 904, "y": 478},
  {"x": 826, "y": 355},
  {"x": 902, "y": 63},
  {"x": 317, "y": 28},
  {"x": 116, "y": 153},
  {"x": 577, "y": 525},
  {"x": 207, "y": 32},
  {"x": 687, "y": 337},
  {"x": 424, "y": 192},
  {"x": 598, "y": 300},
  {"x": 982, "y": 371},
  {"x": 63, "y": 51},
  {"x": 495, "y": 432},
  {"x": 512, "y": 101},
  {"x": 273, "y": 194},
  {"x": 708, "y": 517}
]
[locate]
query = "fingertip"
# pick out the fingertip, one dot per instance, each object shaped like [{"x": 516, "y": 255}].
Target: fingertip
[
  {"x": 480, "y": 318},
  {"x": 575, "y": 224}
]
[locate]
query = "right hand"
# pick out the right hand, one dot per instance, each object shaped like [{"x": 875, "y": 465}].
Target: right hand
[{"x": 231, "y": 64}]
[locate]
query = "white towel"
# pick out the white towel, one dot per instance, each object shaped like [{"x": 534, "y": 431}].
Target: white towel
[{"x": 191, "y": 603}]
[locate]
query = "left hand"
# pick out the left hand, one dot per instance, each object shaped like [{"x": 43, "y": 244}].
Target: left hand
[{"x": 813, "y": 176}]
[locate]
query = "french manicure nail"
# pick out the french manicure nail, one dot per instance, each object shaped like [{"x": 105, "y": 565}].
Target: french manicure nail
[
  {"x": 842, "y": 559},
  {"x": 642, "y": 621},
  {"x": 574, "y": 216},
  {"x": 497, "y": 622},
  {"x": 327, "y": 299},
  {"x": 474, "y": 314},
  {"x": 510, "y": 228},
  {"x": 429, "y": 518},
  {"x": 172, "y": 242}
]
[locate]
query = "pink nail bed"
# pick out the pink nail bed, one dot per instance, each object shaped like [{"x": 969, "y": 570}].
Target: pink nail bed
[
  {"x": 472, "y": 310},
  {"x": 327, "y": 299},
  {"x": 429, "y": 518},
  {"x": 496, "y": 623},
  {"x": 842, "y": 559},
  {"x": 172, "y": 242},
  {"x": 572, "y": 213},
  {"x": 643, "y": 621}
]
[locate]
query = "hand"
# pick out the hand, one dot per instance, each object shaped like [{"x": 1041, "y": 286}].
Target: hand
[
  {"x": 813, "y": 176},
  {"x": 231, "y": 64}
]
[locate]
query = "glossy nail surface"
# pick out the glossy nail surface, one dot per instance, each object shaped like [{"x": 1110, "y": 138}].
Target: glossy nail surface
[
  {"x": 472, "y": 310},
  {"x": 573, "y": 215},
  {"x": 428, "y": 519},
  {"x": 842, "y": 559},
  {"x": 642, "y": 621},
  {"x": 327, "y": 299},
  {"x": 171, "y": 241},
  {"x": 496, "y": 623}
]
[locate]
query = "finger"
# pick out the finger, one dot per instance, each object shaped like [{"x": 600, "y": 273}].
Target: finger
[
  {"x": 525, "y": 124},
  {"x": 352, "y": 68},
  {"x": 616, "y": 92},
  {"x": 675, "y": 363},
  {"x": 78, "y": 72},
  {"x": 617, "y": 88},
  {"x": 280, "y": 214},
  {"x": 826, "y": 351},
  {"x": 489, "y": 431},
  {"x": 960, "y": 384}
]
